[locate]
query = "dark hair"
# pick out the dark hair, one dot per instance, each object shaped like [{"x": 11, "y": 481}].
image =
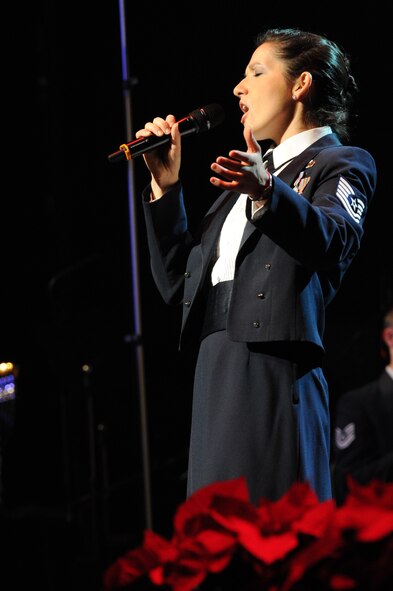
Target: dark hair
[{"x": 333, "y": 88}]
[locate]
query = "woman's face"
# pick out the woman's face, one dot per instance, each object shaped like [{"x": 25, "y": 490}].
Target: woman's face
[{"x": 266, "y": 95}]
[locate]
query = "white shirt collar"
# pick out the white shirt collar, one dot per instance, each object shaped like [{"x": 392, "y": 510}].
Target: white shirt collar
[{"x": 296, "y": 144}]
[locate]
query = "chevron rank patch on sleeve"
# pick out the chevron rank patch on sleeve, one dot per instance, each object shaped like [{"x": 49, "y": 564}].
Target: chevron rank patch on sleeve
[
  {"x": 344, "y": 437},
  {"x": 354, "y": 205}
]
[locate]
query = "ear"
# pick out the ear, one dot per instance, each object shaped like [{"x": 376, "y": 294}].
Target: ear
[
  {"x": 387, "y": 336},
  {"x": 301, "y": 86}
]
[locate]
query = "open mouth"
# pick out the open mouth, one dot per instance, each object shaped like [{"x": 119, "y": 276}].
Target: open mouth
[{"x": 244, "y": 109}]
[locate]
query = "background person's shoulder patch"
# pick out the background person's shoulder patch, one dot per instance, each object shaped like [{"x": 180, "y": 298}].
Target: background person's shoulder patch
[
  {"x": 354, "y": 205},
  {"x": 344, "y": 437}
]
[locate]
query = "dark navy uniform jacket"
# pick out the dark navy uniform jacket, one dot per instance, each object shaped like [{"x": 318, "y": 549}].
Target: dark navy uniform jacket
[
  {"x": 363, "y": 439},
  {"x": 290, "y": 264},
  {"x": 292, "y": 258}
]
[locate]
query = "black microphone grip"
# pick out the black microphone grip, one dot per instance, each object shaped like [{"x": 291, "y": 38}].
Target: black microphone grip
[
  {"x": 197, "y": 121},
  {"x": 140, "y": 146}
]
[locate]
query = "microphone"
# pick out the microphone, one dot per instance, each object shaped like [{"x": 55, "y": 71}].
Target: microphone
[{"x": 197, "y": 121}]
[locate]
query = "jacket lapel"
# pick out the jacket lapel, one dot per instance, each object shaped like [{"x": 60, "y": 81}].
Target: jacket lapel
[
  {"x": 291, "y": 172},
  {"x": 216, "y": 216},
  {"x": 213, "y": 222}
]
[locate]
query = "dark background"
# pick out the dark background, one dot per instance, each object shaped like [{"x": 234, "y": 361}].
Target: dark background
[{"x": 72, "y": 488}]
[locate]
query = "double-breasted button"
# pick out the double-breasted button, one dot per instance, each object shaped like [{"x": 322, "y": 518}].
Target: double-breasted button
[
  {"x": 261, "y": 295},
  {"x": 268, "y": 266},
  {"x": 187, "y": 274},
  {"x": 187, "y": 303},
  {"x": 256, "y": 324}
]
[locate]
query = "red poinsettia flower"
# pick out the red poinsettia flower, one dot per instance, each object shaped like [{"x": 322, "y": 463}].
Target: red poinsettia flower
[
  {"x": 195, "y": 513},
  {"x": 199, "y": 545},
  {"x": 326, "y": 542},
  {"x": 295, "y": 539},
  {"x": 202, "y": 543},
  {"x": 342, "y": 583},
  {"x": 374, "y": 493},
  {"x": 154, "y": 552},
  {"x": 369, "y": 523},
  {"x": 367, "y": 515},
  {"x": 209, "y": 552},
  {"x": 267, "y": 531},
  {"x": 368, "y": 510}
]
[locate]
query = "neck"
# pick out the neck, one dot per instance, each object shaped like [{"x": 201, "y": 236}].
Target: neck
[{"x": 295, "y": 127}]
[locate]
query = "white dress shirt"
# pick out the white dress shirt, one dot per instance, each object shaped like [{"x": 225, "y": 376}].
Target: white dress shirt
[{"x": 233, "y": 228}]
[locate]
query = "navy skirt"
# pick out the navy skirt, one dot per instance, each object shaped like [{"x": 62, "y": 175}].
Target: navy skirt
[{"x": 255, "y": 415}]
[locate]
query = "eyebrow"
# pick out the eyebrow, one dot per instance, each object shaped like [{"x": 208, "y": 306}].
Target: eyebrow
[{"x": 252, "y": 66}]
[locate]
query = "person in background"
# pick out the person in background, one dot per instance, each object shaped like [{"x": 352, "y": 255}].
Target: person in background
[
  {"x": 363, "y": 434},
  {"x": 269, "y": 256}
]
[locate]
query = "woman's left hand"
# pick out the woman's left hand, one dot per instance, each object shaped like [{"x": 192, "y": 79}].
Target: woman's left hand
[{"x": 242, "y": 171}]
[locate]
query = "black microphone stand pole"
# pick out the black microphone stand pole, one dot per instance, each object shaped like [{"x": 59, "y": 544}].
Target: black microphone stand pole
[{"x": 127, "y": 83}]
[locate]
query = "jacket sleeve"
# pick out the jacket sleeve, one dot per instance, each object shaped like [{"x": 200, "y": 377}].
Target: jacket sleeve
[
  {"x": 325, "y": 226},
  {"x": 169, "y": 241}
]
